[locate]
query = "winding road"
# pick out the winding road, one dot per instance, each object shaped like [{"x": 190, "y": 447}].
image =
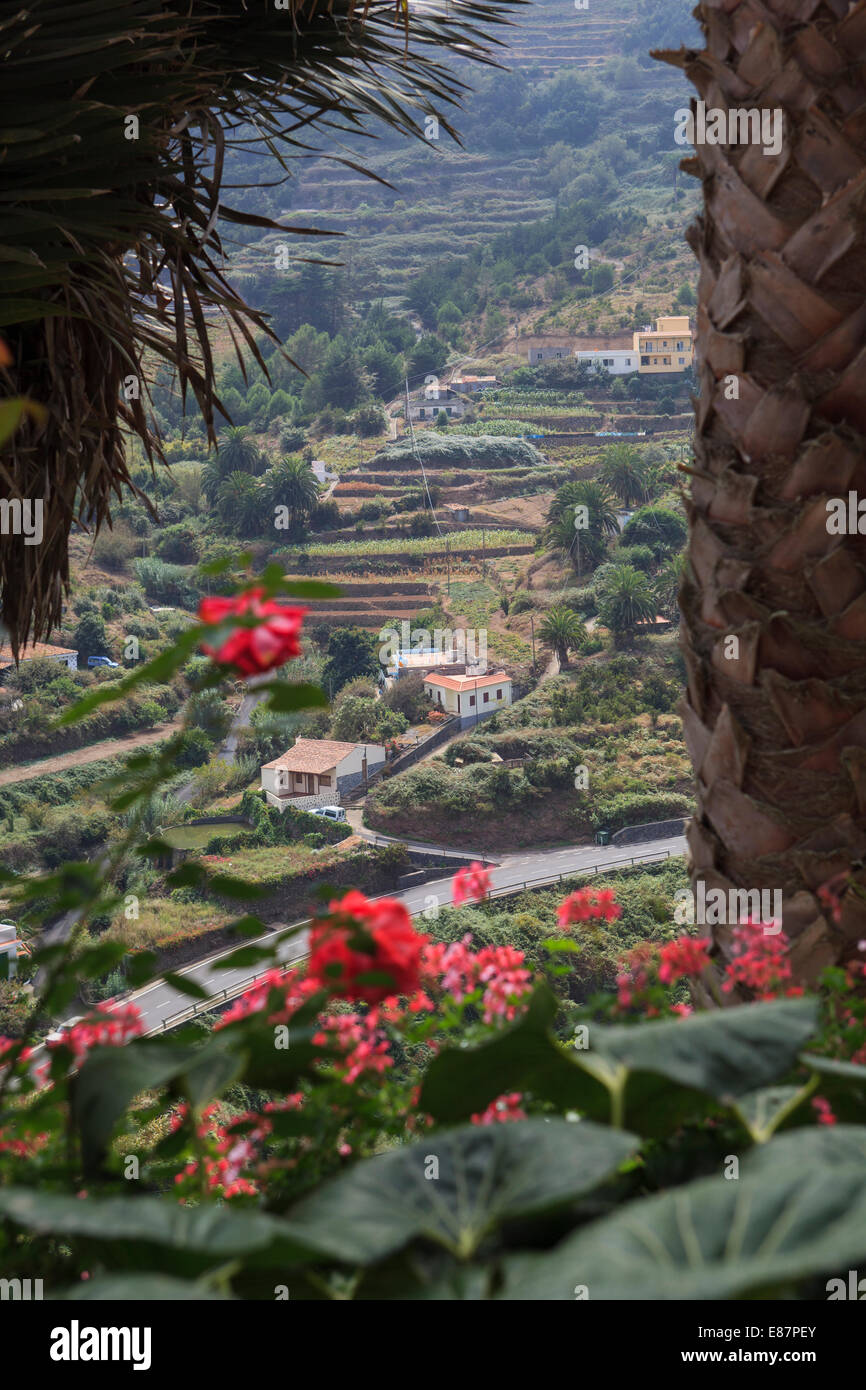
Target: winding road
[{"x": 163, "y": 1006}]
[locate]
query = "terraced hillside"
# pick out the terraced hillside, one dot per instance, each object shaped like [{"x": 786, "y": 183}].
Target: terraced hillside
[{"x": 510, "y": 175}]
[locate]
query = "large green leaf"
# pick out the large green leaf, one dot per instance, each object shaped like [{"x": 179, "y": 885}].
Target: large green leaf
[
  {"x": 111, "y": 1076},
  {"x": 762, "y": 1112},
  {"x": 456, "y": 1186},
  {"x": 815, "y": 1148},
  {"x": 787, "y": 1221},
  {"x": 523, "y": 1057},
  {"x": 843, "y": 1084},
  {"x": 141, "y": 1288},
  {"x": 124, "y": 1227},
  {"x": 647, "y": 1076}
]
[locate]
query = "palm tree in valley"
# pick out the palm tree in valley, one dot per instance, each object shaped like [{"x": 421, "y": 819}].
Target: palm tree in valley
[
  {"x": 115, "y": 123},
  {"x": 773, "y": 602},
  {"x": 563, "y": 632},
  {"x": 624, "y": 472},
  {"x": 238, "y": 452},
  {"x": 241, "y": 503},
  {"x": 291, "y": 483},
  {"x": 582, "y": 516},
  {"x": 666, "y": 586},
  {"x": 626, "y": 601}
]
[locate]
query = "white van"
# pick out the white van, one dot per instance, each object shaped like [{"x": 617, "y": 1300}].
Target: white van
[{"x": 330, "y": 812}]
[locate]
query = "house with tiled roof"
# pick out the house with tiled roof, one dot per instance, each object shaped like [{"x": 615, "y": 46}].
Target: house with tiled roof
[
  {"x": 318, "y": 772},
  {"x": 67, "y": 656},
  {"x": 469, "y": 697}
]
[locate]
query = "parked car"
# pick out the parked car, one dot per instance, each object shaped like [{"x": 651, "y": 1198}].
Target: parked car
[
  {"x": 330, "y": 812},
  {"x": 102, "y": 661},
  {"x": 58, "y": 1034}
]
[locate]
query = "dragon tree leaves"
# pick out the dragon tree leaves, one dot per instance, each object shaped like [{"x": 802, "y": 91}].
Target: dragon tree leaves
[
  {"x": 647, "y": 1076},
  {"x": 483, "y": 1176},
  {"x": 786, "y": 1221},
  {"x": 115, "y": 243}
]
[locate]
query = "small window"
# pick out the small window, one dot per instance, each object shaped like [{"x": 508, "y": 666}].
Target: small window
[
  {"x": 499, "y": 694},
  {"x": 421, "y": 413},
  {"x": 682, "y": 361},
  {"x": 299, "y": 777},
  {"x": 667, "y": 361},
  {"x": 324, "y": 781},
  {"x": 472, "y": 699},
  {"x": 487, "y": 697},
  {"x": 644, "y": 361}
]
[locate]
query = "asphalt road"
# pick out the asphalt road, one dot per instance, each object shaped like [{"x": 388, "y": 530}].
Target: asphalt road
[{"x": 159, "y": 1002}]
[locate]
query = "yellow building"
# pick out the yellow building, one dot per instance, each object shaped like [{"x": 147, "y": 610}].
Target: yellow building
[{"x": 667, "y": 347}]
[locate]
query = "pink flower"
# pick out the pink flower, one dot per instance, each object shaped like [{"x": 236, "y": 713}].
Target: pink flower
[
  {"x": 473, "y": 883},
  {"x": 502, "y": 1110},
  {"x": 824, "y": 1111},
  {"x": 109, "y": 1025},
  {"x": 685, "y": 956},
  {"x": 759, "y": 962},
  {"x": 588, "y": 904}
]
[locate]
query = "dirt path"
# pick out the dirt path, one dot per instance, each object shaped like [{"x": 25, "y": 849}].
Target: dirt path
[{"x": 76, "y": 757}]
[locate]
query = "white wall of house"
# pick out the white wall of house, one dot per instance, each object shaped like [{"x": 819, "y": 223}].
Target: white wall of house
[
  {"x": 282, "y": 786},
  {"x": 614, "y": 361},
  {"x": 463, "y": 702}
]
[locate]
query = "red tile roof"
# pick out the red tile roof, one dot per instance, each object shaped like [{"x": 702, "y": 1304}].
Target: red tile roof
[
  {"x": 461, "y": 683},
  {"x": 34, "y": 649},
  {"x": 313, "y": 755}
]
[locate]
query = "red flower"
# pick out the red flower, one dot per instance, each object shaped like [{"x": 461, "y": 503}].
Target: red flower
[
  {"x": 501, "y": 1111},
  {"x": 361, "y": 937},
  {"x": 273, "y": 641},
  {"x": 589, "y": 903},
  {"x": 823, "y": 1110},
  {"x": 473, "y": 882},
  {"x": 685, "y": 956}
]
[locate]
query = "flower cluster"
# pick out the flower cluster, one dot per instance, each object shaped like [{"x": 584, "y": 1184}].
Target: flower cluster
[
  {"x": 758, "y": 962},
  {"x": 588, "y": 905},
  {"x": 501, "y": 1110},
  {"x": 684, "y": 957},
  {"x": 362, "y": 940},
  {"x": 498, "y": 971},
  {"x": 236, "y": 1147},
  {"x": 359, "y": 1041},
  {"x": 472, "y": 884},
  {"x": 109, "y": 1025},
  {"x": 252, "y": 650}
]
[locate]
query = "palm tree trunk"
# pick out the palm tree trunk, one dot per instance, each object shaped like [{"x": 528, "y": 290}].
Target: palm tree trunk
[{"x": 773, "y": 605}]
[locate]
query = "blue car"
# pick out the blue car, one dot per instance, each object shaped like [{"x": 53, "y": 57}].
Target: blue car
[{"x": 101, "y": 661}]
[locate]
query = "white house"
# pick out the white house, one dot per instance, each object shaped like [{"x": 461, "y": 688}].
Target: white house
[
  {"x": 64, "y": 655},
  {"x": 317, "y": 771},
  {"x": 470, "y": 697},
  {"x": 426, "y": 404},
  {"x": 11, "y": 947},
  {"x": 615, "y": 361}
]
